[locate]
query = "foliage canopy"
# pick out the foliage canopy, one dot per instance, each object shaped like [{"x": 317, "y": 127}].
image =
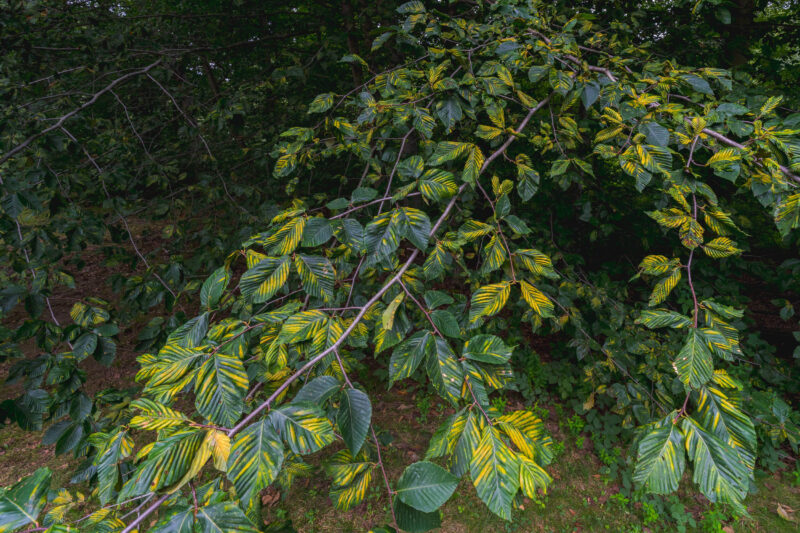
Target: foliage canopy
[{"x": 404, "y": 195}]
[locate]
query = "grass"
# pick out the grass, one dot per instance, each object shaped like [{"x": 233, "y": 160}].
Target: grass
[{"x": 580, "y": 499}]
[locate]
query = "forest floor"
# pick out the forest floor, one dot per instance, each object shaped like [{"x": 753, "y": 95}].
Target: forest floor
[
  {"x": 580, "y": 499},
  {"x": 584, "y": 496}
]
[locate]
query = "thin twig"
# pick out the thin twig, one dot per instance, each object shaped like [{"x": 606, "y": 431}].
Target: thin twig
[{"x": 60, "y": 122}]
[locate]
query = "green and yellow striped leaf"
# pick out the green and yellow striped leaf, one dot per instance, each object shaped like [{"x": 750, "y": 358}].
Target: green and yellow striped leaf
[
  {"x": 720, "y": 247},
  {"x": 537, "y": 300},
  {"x": 262, "y": 281},
  {"x": 718, "y": 469},
  {"x": 472, "y": 167},
  {"x": 316, "y": 274},
  {"x": 351, "y": 479},
  {"x": 538, "y": 263},
  {"x": 445, "y": 373},
  {"x": 167, "y": 461},
  {"x": 489, "y": 300},
  {"x": 494, "y": 255},
  {"x": 495, "y": 473},
  {"x": 663, "y": 318},
  {"x": 437, "y": 185},
  {"x": 155, "y": 416},
  {"x": 220, "y": 389},
  {"x": 528, "y": 434},
  {"x": 694, "y": 363},
  {"x": 302, "y": 326},
  {"x": 449, "y": 151},
  {"x": 487, "y": 349},
  {"x": 303, "y": 426},
  {"x": 661, "y": 458},
  {"x": 287, "y": 238},
  {"x": 409, "y": 354},
  {"x": 532, "y": 477},
  {"x": 720, "y": 415},
  {"x": 255, "y": 460},
  {"x": 664, "y": 287},
  {"x": 21, "y": 504}
]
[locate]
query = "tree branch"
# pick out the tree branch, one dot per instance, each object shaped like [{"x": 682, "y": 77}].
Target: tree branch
[{"x": 24, "y": 144}]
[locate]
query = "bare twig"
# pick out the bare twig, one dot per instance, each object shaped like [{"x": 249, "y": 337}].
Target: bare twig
[
  {"x": 100, "y": 173},
  {"x": 60, "y": 122}
]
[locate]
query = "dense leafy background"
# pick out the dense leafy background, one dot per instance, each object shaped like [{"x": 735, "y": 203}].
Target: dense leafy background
[{"x": 293, "y": 205}]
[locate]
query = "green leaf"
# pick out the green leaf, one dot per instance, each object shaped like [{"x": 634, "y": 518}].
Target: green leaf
[
  {"x": 426, "y": 486},
  {"x": 413, "y": 521},
  {"x": 220, "y": 389},
  {"x": 409, "y": 354},
  {"x": 698, "y": 84},
  {"x": 214, "y": 287},
  {"x": 495, "y": 473},
  {"x": 589, "y": 94},
  {"x": 655, "y": 133},
  {"x": 449, "y": 112},
  {"x": 537, "y": 72},
  {"x": 223, "y": 517},
  {"x": 446, "y": 323},
  {"x": 661, "y": 459},
  {"x": 487, "y": 349},
  {"x": 21, "y": 504},
  {"x": 317, "y": 232},
  {"x": 354, "y": 418},
  {"x": 255, "y": 460},
  {"x": 318, "y": 390},
  {"x": 176, "y": 520},
  {"x": 321, "y": 103},
  {"x": 694, "y": 364}
]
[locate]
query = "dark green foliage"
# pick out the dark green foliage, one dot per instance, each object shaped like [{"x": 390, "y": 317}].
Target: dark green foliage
[{"x": 426, "y": 188}]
